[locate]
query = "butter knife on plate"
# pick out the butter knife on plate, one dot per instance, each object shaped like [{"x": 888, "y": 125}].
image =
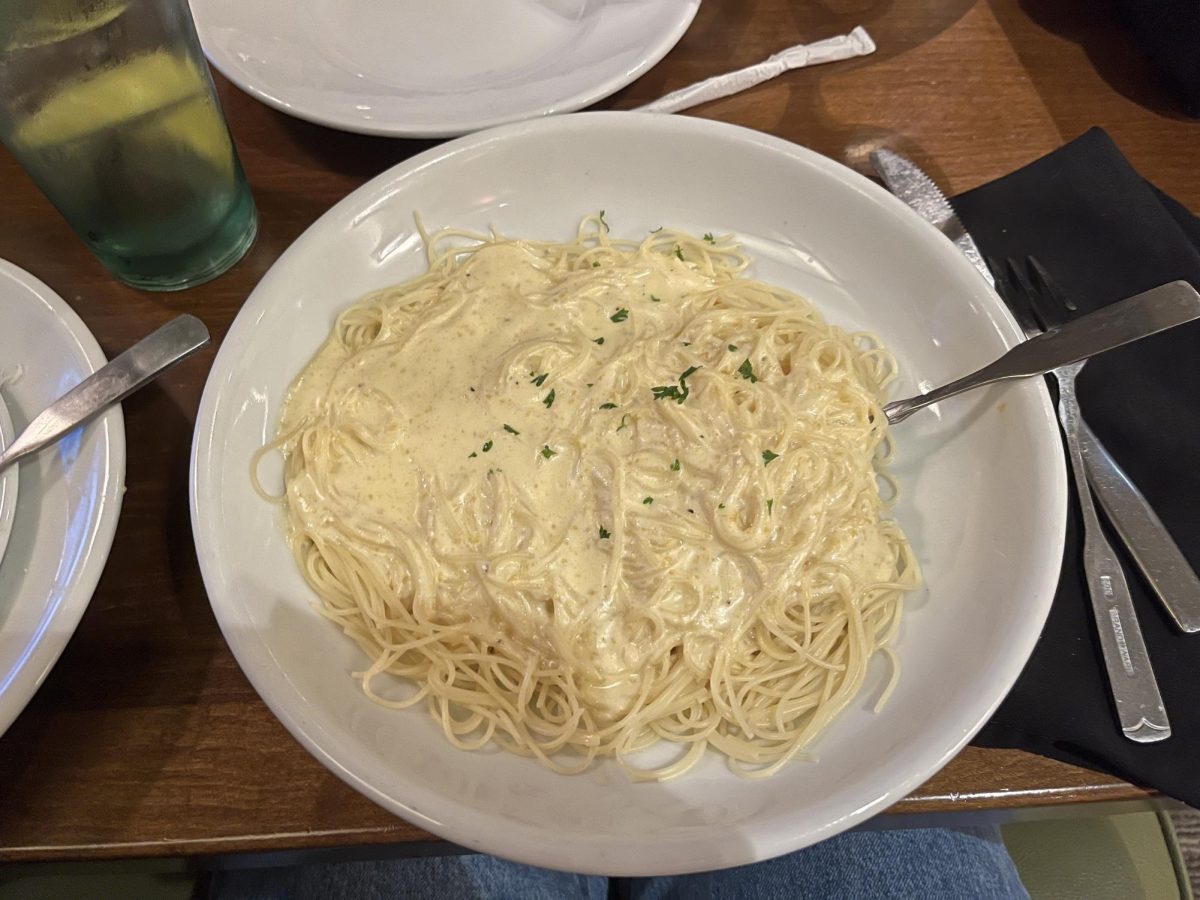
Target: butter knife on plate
[{"x": 1162, "y": 563}]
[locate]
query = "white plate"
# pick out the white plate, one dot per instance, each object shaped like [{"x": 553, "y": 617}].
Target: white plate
[
  {"x": 435, "y": 68},
  {"x": 8, "y": 478},
  {"x": 70, "y": 494},
  {"x": 983, "y": 476}
]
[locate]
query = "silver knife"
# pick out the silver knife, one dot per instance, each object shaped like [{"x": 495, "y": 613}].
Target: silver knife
[
  {"x": 905, "y": 179},
  {"x": 1158, "y": 556}
]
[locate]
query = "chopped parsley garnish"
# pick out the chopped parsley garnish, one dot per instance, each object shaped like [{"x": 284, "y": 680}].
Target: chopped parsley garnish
[
  {"x": 746, "y": 370},
  {"x": 473, "y": 455},
  {"x": 732, "y": 347},
  {"x": 605, "y": 534},
  {"x": 720, "y": 506},
  {"x": 540, "y": 379},
  {"x": 708, "y": 237},
  {"x": 547, "y": 452},
  {"x": 620, "y": 315},
  {"x": 624, "y": 422},
  {"x": 768, "y": 457},
  {"x": 598, "y": 340},
  {"x": 679, "y": 252},
  {"x": 654, "y": 299},
  {"x": 510, "y": 429},
  {"x": 608, "y": 406},
  {"x": 678, "y": 392},
  {"x": 549, "y": 399},
  {"x": 687, "y": 343},
  {"x": 770, "y": 503},
  {"x": 602, "y": 222},
  {"x": 595, "y": 264},
  {"x": 675, "y": 466},
  {"x": 487, "y": 446},
  {"x": 647, "y": 501}
]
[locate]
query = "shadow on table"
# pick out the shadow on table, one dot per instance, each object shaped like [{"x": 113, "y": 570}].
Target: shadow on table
[
  {"x": 1098, "y": 30},
  {"x": 897, "y": 28},
  {"x": 797, "y": 102},
  {"x": 359, "y": 156},
  {"x": 146, "y": 641}
]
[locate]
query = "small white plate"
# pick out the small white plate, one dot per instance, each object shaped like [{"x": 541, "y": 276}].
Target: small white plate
[
  {"x": 70, "y": 493},
  {"x": 983, "y": 480},
  {"x": 435, "y": 68},
  {"x": 8, "y": 478}
]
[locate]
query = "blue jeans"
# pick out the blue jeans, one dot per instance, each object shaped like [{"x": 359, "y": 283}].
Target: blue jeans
[{"x": 926, "y": 863}]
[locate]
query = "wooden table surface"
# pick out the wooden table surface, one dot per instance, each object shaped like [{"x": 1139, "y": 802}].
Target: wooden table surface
[{"x": 146, "y": 739}]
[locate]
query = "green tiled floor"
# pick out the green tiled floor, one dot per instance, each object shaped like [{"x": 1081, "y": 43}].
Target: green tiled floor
[
  {"x": 1123, "y": 857},
  {"x": 98, "y": 881}
]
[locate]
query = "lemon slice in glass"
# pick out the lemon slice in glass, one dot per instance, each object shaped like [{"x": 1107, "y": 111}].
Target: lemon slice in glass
[{"x": 128, "y": 95}]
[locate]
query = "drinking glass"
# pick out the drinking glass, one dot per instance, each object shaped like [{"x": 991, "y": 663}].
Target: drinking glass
[{"x": 109, "y": 105}]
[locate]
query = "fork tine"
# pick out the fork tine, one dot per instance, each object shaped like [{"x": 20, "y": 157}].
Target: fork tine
[
  {"x": 1030, "y": 290},
  {"x": 1009, "y": 284},
  {"x": 996, "y": 267},
  {"x": 1049, "y": 289}
]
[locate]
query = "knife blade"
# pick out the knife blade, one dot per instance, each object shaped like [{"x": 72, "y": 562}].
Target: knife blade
[
  {"x": 905, "y": 179},
  {"x": 1167, "y": 570}
]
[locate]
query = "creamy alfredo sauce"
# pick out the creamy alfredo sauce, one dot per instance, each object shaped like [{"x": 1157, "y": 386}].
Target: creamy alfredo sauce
[{"x": 526, "y": 468}]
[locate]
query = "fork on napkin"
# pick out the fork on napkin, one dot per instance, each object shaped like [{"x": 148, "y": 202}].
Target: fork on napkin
[{"x": 1102, "y": 233}]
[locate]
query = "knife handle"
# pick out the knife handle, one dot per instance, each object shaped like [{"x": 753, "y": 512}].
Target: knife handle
[{"x": 1158, "y": 556}]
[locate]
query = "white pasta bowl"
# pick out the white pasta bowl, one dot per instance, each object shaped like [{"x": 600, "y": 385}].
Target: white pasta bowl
[{"x": 983, "y": 481}]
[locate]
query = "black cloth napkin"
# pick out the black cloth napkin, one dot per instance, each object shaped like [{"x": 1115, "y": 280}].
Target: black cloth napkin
[{"x": 1103, "y": 233}]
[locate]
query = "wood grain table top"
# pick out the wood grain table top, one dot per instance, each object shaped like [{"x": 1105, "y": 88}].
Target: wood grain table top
[{"x": 147, "y": 740}]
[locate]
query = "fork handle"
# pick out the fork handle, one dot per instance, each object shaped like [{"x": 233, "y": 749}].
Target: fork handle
[
  {"x": 1165, "y": 567},
  {"x": 1140, "y": 709}
]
